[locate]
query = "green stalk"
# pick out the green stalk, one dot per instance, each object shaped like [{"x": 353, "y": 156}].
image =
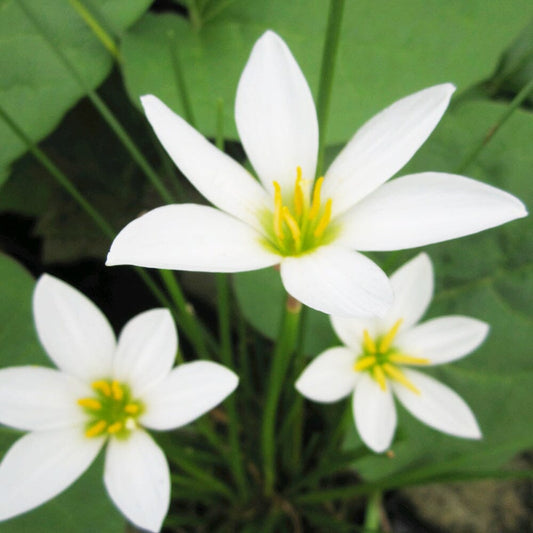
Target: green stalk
[
  {"x": 97, "y": 28},
  {"x": 513, "y": 106},
  {"x": 280, "y": 362},
  {"x": 102, "y": 108},
  {"x": 373, "y": 513},
  {"x": 327, "y": 70}
]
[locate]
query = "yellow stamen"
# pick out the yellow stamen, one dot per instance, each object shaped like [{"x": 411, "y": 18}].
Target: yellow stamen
[
  {"x": 379, "y": 376},
  {"x": 293, "y": 227},
  {"x": 368, "y": 342},
  {"x": 324, "y": 221},
  {"x": 116, "y": 390},
  {"x": 96, "y": 429},
  {"x": 386, "y": 341},
  {"x": 403, "y": 359},
  {"x": 315, "y": 204},
  {"x": 364, "y": 362},
  {"x": 132, "y": 408},
  {"x": 90, "y": 403},
  {"x": 278, "y": 211},
  {"x": 397, "y": 375},
  {"x": 298, "y": 193},
  {"x": 114, "y": 428},
  {"x": 103, "y": 387}
]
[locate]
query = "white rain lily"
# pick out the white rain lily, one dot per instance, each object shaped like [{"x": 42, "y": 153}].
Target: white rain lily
[
  {"x": 104, "y": 391},
  {"x": 378, "y": 355},
  {"x": 313, "y": 229}
]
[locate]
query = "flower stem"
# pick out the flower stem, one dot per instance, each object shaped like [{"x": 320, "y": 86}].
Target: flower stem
[
  {"x": 511, "y": 108},
  {"x": 373, "y": 513},
  {"x": 280, "y": 362},
  {"x": 101, "y": 107},
  {"x": 327, "y": 70}
]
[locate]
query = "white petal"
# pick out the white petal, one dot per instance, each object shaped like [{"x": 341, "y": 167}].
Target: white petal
[
  {"x": 190, "y": 237},
  {"x": 74, "y": 332},
  {"x": 275, "y": 114},
  {"x": 337, "y": 281},
  {"x": 384, "y": 145},
  {"x": 350, "y": 330},
  {"x": 443, "y": 339},
  {"x": 39, "y": 398},
  {"x": 137, "y": 479},
  {"x": 375, "y": 413},
  {"x": 42, "y": 464},
  {"x": 146, "y": 350},
  {"x": 437, "y": 406},
  {"x": 329, "y": 377},
  {"x": 412, "y": 285},
  {"x": 217, "y": 176},
  {"x": 188, "y": 392},
  {"x": 426, "y": 208}
]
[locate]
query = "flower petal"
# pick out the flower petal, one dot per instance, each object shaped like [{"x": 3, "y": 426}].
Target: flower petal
[
  {"x": 42, "y": 464},
  {"x": 425, "y": 208},
  {"x": 443, "y": 339},
  {"x": 384, "y": 145},
  {"x": 329, "y": 377},
  {"x": 188, "y": 392},
  {"x": 437, "y": 406},
  {"x": 38, "y": 398},
  {"x": 190, "y": 237},
  {"x": 137, "y": 478},
  {"x": 375, "y": 414},
  {"x": 217, "y": 176},
  {"x": 275, "y": 114},
  {"x": 337, "y": 281},
  {"x": 74, "y": 332},
  {"x": 412, "y": 285},
  {"x": 350, "y": 330},
  {"x": 146, "y": 350}
]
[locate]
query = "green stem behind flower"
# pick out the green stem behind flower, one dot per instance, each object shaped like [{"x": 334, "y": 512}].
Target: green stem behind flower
[
  {"x": 327, "y": 70},
  {"x": 373, "y": 512},
  {"x": 280, "y": 362}
]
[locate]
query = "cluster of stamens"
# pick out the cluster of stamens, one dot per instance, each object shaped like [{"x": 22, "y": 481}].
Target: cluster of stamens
[
  {"x": 302, "y": 227},
  {"x": 381, "y": 359},
  {"x": 112, "y": 410}
]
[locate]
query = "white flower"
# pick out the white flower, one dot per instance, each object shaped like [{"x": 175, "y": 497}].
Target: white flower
[
  {"x": 315, "y": 232},
  {"x": 103, "y": 392},
  {"x": 378, "y": 355}
]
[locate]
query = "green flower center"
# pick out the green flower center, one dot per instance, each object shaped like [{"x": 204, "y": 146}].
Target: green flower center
[
  {"x": 301, "y": 225},
  {"x": 381, "y": 359},
  {"x": 111, "y": 410}
]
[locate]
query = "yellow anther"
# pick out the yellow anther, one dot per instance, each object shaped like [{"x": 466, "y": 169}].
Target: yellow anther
[
  {"x": 114, "y": 428},
  {"x": 293, "y": 227},
  {"x": 368, "y": 342},
  {"x": 397, "y": 375},
  {"x": 379, "y": 376},
  {"x": 278, "y": 211},
  {"x": 96, "y": 429},
  {"x": 298, "y": 193},
  {"x": 90, "y": 403},
  {"x": 116, "y": 390},
  {"x": 324, "y": 221},
  {"x": 132, "y": 409},
  {"x": 403, "y": 359},
  {"x": 102, "y": 386},
  {"x": 364, "y": 362},
  {"x": 386, "y": 341},
  {"x": 315, "y": 203}
]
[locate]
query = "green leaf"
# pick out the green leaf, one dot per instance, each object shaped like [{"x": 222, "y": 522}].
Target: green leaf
[
  {"x": 84, "y": 507},
  {"x": 387, "y": 50},
  {"x": 35, "y": 88},
  {"x": 487, "y": 276}
]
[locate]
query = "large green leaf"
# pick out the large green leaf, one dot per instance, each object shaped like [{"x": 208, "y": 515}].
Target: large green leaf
[
  {"x": 387, "y": 50},
  {"x": 84, "y": 507},
  {"x": 35, "y": 87}
]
